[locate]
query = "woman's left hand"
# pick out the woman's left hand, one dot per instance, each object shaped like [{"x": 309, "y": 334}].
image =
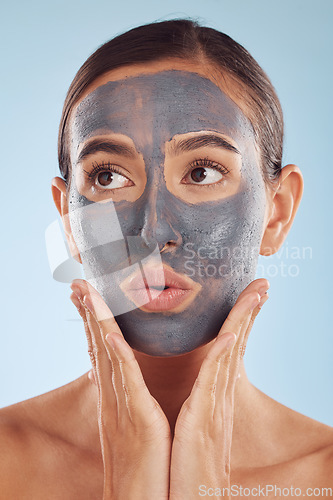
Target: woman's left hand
[{"x": 203, "y": 433}]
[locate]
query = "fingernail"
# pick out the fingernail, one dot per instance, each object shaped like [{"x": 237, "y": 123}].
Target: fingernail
[
  {"x": 227, "y": 340},
  {"x": 78, "y": 281},
  {"x": 88, "y": 303},
  {"x": 263, "y": 290},
  {"x": 91, "y": 376},
  {"x": 110, "y": 341},
  {"x": 263, "y": 299},
  {"x": 76, "y": 289},
  {"x": 255, "y": 302},
  {"x": 74, "y": 298}
]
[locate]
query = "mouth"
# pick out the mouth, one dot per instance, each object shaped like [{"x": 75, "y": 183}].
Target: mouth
[{"x": 160, "y": 288}]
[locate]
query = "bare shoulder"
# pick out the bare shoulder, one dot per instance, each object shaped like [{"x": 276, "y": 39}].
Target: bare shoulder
[
  {"x": 308, "y": 450},
  {"x": 295, "y": 434},
  {"x": 13, "y": 443},
  {"x": 292, "y": 451},
  {"x": 313, "y": 472},
  {"x": 326, "y": 460},
  {"x": 43, "y": 440},
  {"x": 314, "y": 438},
  {"x": 48, "y": 413},
  {"x": 290, "y": 439}
]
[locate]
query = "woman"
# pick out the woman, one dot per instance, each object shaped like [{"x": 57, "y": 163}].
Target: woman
[{"x": 170, "y": 150}]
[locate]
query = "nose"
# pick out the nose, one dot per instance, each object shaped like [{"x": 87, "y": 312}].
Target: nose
[{"x": 159, "y": 220}]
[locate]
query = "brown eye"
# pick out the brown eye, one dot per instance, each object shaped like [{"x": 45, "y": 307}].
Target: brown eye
[
  {"x": 198, "y": 174},
  {"x": 109, "y": 179},
  {"x": 204, "y": 175},
  {"x": 104, "y": 178}
]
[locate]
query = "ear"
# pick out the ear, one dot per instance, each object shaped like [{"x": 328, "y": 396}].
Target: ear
[
  {"x": 59, "y": 193},
  {"x": 282, "y": 206}
]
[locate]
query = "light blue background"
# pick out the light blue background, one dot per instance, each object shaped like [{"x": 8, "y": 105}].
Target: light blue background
[{"x": 43, "y": 346}]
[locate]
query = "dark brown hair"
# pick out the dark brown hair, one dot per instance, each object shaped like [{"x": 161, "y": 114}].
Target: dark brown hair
[{"x": 187, "y": 40}]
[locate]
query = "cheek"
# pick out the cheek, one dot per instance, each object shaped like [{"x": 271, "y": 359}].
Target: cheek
[
  {"x": 234, "y": 221},
  {"x": 222, "y": 241}
]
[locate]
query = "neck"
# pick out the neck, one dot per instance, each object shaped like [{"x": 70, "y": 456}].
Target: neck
[{"x": 170, "y": 381}]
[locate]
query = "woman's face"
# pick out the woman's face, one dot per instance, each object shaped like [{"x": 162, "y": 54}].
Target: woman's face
[{"x": 166, "y": 191}]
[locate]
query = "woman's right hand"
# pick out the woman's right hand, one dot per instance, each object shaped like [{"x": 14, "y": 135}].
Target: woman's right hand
[{"x": 134, "y": 431}]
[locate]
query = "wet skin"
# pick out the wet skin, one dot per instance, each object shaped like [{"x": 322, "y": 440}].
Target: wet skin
[{"x": 210, "y": 233}]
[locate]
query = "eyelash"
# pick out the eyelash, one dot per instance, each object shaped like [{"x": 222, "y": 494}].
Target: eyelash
[
  {"x": 200, "y": 162},
  {"x": 101, "y": 167},
  {"x": 205, "y": 162}
]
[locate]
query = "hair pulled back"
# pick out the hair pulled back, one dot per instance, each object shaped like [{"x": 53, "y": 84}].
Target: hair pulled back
[{"x": 186, "y": 39}]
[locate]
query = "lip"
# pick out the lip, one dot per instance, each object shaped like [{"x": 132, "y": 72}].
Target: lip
[{"x": 146, "y": 290}]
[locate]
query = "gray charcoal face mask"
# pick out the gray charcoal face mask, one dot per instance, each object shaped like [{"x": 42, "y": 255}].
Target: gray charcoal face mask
[{"x": 214, "y": 242}]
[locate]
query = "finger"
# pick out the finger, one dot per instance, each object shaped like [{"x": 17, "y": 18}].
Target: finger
[
  {"x": 138, "y": 399},
  {"x": 75, "y": 299},
  {"x": 106, "y": 323},
  {"x": 106, "y": 332},
  {"x": 236, "y": 322},
  {"x": 246, "y": 309},
  {"x": 104, "y": 371},
  {"x": 78, "y": 303},
  {"x": 260, "y": 285},
  {"x": 105, "y": 397},
  {"x": 243, "y": 339},
  {"x": 201, "y": 401},
  {"x": 97, "y": 306},
  {"x": 91, "y": 299},
  {"x": 240, "y": 315},
  {"x": 91, "y": 377},
  {"x": 130, "y": 388},
  {"x": 246, "y": 328},
  {"x": 103, "y": 361}
]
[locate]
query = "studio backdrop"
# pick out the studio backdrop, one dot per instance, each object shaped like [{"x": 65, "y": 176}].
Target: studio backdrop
[{"x": 289, "y": 355}]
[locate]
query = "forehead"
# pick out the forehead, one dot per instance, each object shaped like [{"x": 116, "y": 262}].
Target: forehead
[{"x": 159, "y": 105}]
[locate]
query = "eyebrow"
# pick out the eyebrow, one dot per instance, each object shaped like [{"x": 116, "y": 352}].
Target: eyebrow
[
  {"x": 201, "y": 141},
  {"x": 106, "y": 146}
]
